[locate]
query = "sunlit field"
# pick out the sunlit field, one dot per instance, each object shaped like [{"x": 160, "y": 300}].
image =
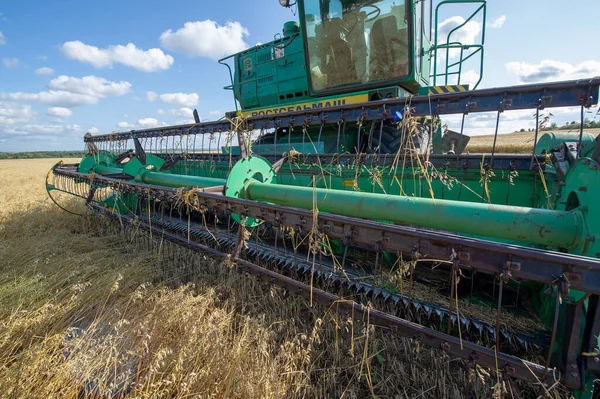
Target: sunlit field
[{"x": 514, "y": 143}]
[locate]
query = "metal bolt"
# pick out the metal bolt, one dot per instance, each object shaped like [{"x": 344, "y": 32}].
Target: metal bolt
[
  {"x": 596, "y": 359},
  {"x": 574, "y": 374}
]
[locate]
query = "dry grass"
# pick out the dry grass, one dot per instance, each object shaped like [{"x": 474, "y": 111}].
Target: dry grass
[
  {"x": 513, "y": 143},
  {"x": 88, "y": 312}
]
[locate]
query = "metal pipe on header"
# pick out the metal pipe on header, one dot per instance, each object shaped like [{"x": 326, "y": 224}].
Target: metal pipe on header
[
  {"x": 561, "y": 229},
  {"x": 176, "y": 181}
]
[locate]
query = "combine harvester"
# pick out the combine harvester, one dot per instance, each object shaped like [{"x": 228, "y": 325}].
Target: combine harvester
[{"x": 337, "y": 180}]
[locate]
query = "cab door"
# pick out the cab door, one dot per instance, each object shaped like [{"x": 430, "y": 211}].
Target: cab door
[{"x": 422, "y": 35}]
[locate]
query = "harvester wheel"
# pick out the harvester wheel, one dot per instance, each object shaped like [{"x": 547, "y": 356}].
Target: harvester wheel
[{"x": 393, "y": 139}]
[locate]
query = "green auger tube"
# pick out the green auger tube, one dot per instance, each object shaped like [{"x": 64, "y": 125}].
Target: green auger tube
[{"x": 562, "y": 229}]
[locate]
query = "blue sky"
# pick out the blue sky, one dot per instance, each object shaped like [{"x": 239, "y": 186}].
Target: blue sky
[{"x": 71, "y": 66}]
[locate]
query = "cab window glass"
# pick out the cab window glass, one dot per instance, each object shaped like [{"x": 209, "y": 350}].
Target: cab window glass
[{"x": 355, "y": 42}]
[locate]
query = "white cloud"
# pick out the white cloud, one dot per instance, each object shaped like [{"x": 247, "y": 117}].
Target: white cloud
[
  {"x": 53, "y": 97},
  {"x": 469, "y": 77},
  {"x": 216, "y": 112},
  {"x": 151, "y": 60},
  {"x": 2, "y": 39},
  {"x": 144, "y": 123},
  {"x": 161, "y": 112},
  {"x": 125, "y": 125},
  {"x": 90, "y": 85},
  {"x": 183, "y": 112},
  {"x": 13, "y": 113},
  {"x": 485, "y": 122},
  {"x": 510, "y": 121},
  {"x": 150, "y": 122},
  {"x": 44, "y": 71},
  {"x": 59, "y": 112},
  {"x": 182, "y": 99},
  {"x": 69, "y": 92},
  {"x": 548, "y": 70},
  {"x": 93, "y": 130},
  {"x": 185, "y": 115},
  {"x": 206, "y": 39},
  {"x": 41, "y": 130},
  {"x": 468, "y": 34},
  {"x": 498, "y": 22},
  {"x": 10, "y": 62}
]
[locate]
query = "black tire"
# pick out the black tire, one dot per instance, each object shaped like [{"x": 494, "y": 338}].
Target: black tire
[{"x": 392, "y": 140}]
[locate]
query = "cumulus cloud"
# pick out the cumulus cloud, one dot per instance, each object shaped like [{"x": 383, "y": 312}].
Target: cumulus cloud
[
  {"x": 182, "y": 99},
  {"x": 206, "y": 39},
  {"x": 14, "y": 113},
  {"x": 10, "y": 62},
  {"x": 69, "y": 92},
  {"x": 125, "y": 125},
  {"x": 42, "y": 130},
  {"x": 469, "y": 77},
  {"x": 510, "y": 121},
  {"x": 2, "y": 39},
  {"x": 149, "y": 122},
  {"x": 44, "y": 71},
  {"x": 548, "y": 70},
  {"x": 59, "y": 112},
  {"x": 468, "y": 34},
  {"x": 183, "y": 112},
  {"x": 498, "y": 22},
  {"x": 52, "y": 97},
  {"x": 151, "y": 60},
  {"x": 93, "y": 130},
  {"x": 144, "y": 123},
  {"x": 90, "y": 85},
  {"x": 485, "y": 122},
  {"x": 184, "y": 115}
]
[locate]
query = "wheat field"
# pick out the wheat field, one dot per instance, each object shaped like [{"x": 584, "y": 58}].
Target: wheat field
[
  {"x": 87, "y": 311},
  {"x": 514, "y": 143}
]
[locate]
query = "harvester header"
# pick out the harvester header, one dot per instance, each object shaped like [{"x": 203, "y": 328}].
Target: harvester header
[{"x": 336, "y": 179}]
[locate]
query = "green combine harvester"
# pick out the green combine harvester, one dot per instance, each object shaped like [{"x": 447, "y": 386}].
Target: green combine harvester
[{"x": 336, "y": 178}]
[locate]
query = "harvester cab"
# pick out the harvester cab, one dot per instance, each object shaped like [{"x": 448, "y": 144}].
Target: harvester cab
[{"x": 345, "y": 52}]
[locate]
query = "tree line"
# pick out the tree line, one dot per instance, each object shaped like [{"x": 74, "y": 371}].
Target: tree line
[
  {"x": 573, "y": 125},
  {"x": 41, "y": 154}
]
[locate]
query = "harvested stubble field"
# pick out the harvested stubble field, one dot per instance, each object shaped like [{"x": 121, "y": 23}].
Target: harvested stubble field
[
  {"x": 86, "y": 311},
  {"x": 514, "y": 143}
]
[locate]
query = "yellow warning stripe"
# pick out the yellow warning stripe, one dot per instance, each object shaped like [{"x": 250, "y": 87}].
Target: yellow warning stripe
[{"x": 448, "y": 89}]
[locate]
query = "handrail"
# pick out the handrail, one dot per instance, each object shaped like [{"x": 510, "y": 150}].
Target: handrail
[{"x": 449, "y": 45}]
